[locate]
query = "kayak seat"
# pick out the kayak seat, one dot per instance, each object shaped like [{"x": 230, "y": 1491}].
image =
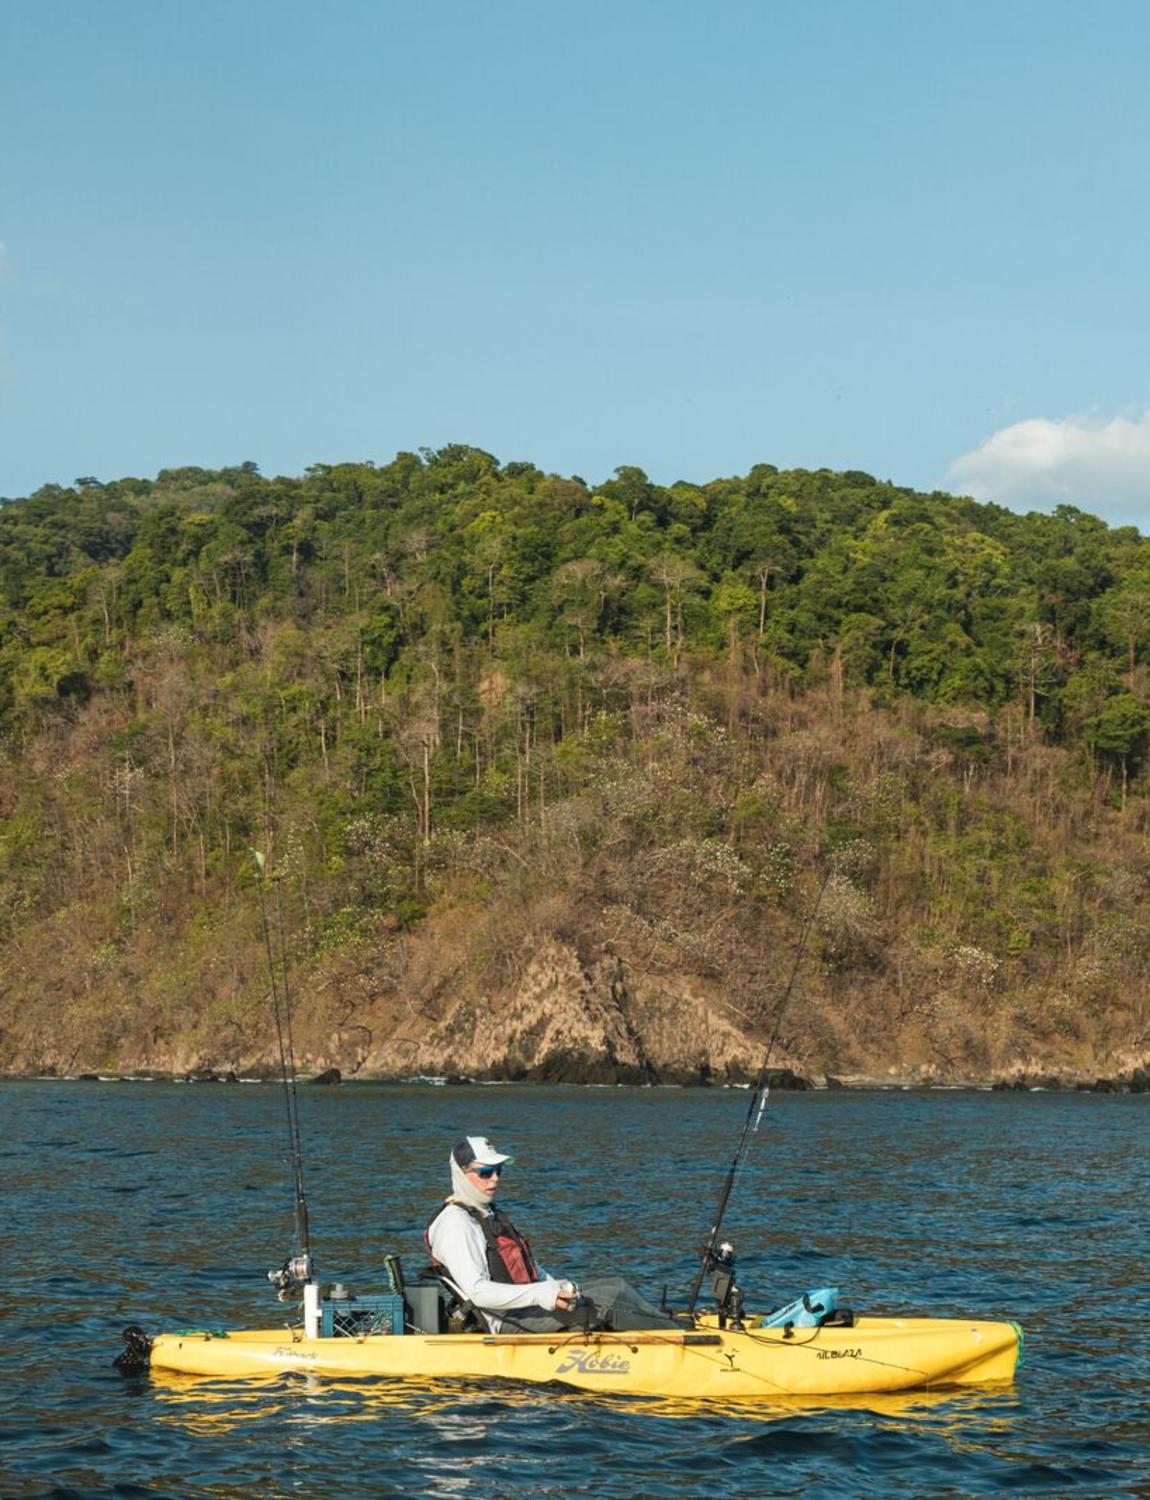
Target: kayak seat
[{"x": 438, "y": 1306}]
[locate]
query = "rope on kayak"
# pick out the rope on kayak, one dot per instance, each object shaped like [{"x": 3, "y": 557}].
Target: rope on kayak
[
  {"x": 866, "y": 1359},
  {"x": 620, "y": 1338},
  {"x": 669, "y": 1341},
  {"x": 776, "y": 1343},
  {"x": 710, "y": 1259}
]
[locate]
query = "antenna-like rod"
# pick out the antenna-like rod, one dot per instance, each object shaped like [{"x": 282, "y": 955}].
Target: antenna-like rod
[
  {"x": 758, "y": 1104},
  {"x": 281, "y": 1011}
]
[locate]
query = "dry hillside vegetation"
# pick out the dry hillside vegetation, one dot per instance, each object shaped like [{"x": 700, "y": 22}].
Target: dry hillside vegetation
[{"x": 551, "y": 778}]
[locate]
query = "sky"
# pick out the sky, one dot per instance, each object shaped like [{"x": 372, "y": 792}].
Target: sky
[{"x": 898, "y": 237}]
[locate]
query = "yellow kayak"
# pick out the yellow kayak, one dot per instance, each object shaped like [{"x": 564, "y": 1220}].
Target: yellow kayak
[{"x": 705, "y": 1362}]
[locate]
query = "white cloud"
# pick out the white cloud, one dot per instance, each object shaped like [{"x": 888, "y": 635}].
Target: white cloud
[{"x": 1099, "y": 465}]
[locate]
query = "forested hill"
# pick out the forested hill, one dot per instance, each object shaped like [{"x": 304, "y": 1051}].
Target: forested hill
[{"x": 550, "y": 773}]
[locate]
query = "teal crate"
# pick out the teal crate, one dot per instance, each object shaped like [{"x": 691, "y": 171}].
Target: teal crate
[{"x": 356, "y": 1317}]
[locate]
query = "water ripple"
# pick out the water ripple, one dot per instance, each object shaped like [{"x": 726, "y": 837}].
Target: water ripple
[{"x": 165, "y": 1206}]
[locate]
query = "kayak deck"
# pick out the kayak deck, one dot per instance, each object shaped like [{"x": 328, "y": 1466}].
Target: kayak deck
[{"x": 876, "y": 1354}]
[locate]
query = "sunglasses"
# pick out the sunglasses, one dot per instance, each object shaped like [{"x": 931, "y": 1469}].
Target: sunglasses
[{"x": 486, "y": 1172}]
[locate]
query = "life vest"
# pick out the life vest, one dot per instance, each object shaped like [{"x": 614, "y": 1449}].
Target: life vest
[{"x": 509, "y": 1257}]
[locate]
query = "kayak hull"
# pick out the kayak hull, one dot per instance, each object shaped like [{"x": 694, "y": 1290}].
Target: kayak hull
[{"x": 708, "y": 1363}]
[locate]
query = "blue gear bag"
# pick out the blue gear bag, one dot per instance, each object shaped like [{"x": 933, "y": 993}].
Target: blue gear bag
[{"x": 807, "y": 1311}]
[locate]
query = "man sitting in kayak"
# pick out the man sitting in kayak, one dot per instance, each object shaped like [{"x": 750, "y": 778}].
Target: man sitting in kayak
[{"x": 490, "y": 1263}]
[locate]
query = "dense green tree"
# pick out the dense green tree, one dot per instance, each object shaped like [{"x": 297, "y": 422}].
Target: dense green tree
[{"x": 1119, "y": 732}]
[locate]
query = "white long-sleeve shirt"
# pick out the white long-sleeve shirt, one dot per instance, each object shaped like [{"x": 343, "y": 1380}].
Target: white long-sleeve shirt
[{"x": 458, "y": 1243}]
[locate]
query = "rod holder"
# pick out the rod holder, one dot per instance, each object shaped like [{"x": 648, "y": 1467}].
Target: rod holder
[{"x": 311, "y": 1310}]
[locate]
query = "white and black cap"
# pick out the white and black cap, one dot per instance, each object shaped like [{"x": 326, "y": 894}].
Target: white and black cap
[{"x": 477, "y": 1151}]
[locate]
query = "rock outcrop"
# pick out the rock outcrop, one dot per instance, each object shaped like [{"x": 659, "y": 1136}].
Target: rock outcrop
[{"x": 567, "y": 1020}]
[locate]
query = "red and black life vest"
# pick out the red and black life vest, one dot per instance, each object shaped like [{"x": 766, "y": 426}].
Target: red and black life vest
[{"x": 509, "y": 1257}]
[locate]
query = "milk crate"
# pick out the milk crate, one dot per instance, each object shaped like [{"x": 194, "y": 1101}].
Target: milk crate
[{"x": 356, "y": 1317}]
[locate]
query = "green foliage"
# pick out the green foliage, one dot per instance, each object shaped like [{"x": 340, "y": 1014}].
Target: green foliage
[
  {"x": 1121, "y": 728},
  {"x": 355, "y": 581},
  {"x": 436, "y": 670}
]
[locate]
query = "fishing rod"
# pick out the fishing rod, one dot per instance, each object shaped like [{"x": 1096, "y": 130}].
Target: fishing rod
[
  {"x": 714, "y": 1256},
  {"x": 296, "y": 1272}
]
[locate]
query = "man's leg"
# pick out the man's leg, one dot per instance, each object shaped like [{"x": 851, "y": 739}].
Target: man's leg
[
  {"x": 607, "y": 1302},
  {"x": 617, "y": 1304}
]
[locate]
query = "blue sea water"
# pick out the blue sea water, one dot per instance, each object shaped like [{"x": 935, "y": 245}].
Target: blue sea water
[{"x": 165, "y": 1204}]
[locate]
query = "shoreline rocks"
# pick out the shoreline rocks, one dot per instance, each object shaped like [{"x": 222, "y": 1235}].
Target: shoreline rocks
[{"x": 580, "y": 1068}]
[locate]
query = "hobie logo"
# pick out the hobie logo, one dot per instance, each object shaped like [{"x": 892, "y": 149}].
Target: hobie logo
[{"x": 588, "y": 1363}]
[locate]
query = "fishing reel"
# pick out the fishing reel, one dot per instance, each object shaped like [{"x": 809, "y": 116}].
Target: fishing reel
[
  {"x": 291, "y": 1278},
  {"x": 728, "y": 1296}
]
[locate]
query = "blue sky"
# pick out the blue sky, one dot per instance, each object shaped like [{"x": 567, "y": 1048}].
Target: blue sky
[{"x": 905, "y": 238}]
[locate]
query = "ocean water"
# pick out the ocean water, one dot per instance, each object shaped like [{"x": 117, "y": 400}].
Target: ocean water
[{"x": 165, "y": 1204}]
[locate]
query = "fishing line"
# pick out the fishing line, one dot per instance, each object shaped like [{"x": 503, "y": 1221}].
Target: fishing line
[
  {"x": 297, "y": 1148},
  {"x": 756, "y": 1108},
  {"x": 281, "y": 1011}
]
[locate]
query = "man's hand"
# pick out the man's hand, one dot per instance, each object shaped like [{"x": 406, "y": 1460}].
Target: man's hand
[{"x": 567, "y": 1297}]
